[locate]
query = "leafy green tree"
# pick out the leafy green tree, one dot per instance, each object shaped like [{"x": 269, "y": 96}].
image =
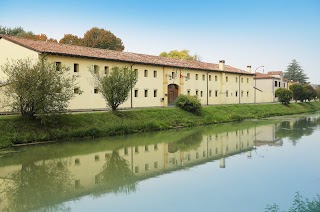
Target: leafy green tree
[
  {"x": 298, "y": 92},
  {"x": 71, "y": 39},
  {"x": 284, "y": 95},
  {"x": 115, "y": 87},
  {"x": 103, "y": 39},
  {"x": 295, "y": 73},
  {"x": 17, "y": 31},
  {"x": 38, "y": 89},
  {"x": 318, "y": 92},
  {"x": 183, "y": 55},
  {"x": 311, "y": 93}
]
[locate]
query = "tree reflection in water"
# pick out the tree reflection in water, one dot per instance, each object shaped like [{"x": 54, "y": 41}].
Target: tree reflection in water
[
  {"x": 38, "y": 184},
  {"x": 116, "y": 175},
  {"x": 299, "y": 128}
]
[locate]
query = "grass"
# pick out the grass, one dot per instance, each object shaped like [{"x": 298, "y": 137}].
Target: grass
[{"x": 18, "y": 130}]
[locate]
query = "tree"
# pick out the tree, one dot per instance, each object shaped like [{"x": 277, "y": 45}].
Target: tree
[
  {"x": 189, "y": 103},
  {"x": 38, "y": 89},
  {"x": 103, "y": 39},
  {"x": 310, "y": 92},
  {"x": 17, "y": 31},
  {"x": 71, "y": 39},
  {"x": 295, "y": 73},
  {"x": 115, "y": 87},
  {"x": 284, "y": 95},
  {"x": 183, "y": 55},
  {"x": 298, "y": 92},
  {"x": 318, "y": 92}
]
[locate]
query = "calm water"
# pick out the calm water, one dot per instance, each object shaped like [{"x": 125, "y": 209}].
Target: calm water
[{"x": 231, "y": 167}]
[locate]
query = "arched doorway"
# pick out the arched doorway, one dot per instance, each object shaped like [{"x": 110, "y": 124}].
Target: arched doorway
[{"x": 172, "y": 93}]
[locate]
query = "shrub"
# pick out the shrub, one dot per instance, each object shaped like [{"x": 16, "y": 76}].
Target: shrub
[
  {"x": 284, "y": 95},
  {"x": 189, "y": 103}
]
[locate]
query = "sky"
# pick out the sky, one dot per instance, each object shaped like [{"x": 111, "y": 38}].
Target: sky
[{"x": 269, "y": 33}]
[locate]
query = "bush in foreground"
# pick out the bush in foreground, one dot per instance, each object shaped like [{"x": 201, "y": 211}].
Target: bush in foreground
[
  {"x": 284, "y": 95},
  {"x": 189, "y": 103}
]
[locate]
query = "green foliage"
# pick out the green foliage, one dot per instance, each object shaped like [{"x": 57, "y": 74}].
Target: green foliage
[
  {"x": 103, "y": 39},
  {"x": 71, "y": 39},
  {"x": 310, "y": 92},
  {"x": 38, "y": 89},
  {"x": 115, "y": 87},
  {"x": 299, "y": 205},
  {"x": 17, "y": 31},
  {"x": 188, "y": 103},
  {"x": 298, "y": 92},
  {"x": 183, "y": 55},
  {"x": 318, "y": 92},
  {"x": 284, "y": 95},
  {"x": 295, "y": 73}
]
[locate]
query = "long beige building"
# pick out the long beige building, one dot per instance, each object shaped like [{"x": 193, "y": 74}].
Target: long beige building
[{"x": 160, "y": 79}]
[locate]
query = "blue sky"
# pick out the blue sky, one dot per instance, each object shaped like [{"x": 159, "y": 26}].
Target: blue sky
[{"x": 242, "y": 32}]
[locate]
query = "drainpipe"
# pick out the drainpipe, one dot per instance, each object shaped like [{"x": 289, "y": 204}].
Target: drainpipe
[
  {"x": 239, "y": 93},
  {"x": 207, "y": 88},
  {"x": 131, "y": 87}
]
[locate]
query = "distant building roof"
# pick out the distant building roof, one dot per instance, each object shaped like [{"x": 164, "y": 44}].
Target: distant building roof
[
  {"x": 95, "y": 53},
  {"x": 265, "y": 76},
  {"x": 275, "y": 72}
]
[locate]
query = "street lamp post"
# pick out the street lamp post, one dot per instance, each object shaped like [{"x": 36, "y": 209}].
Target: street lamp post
[{"x": 255, "y": 82}]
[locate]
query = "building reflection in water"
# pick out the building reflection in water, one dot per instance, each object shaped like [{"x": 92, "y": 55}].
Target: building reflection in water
[{"x": 46, "y": 182}]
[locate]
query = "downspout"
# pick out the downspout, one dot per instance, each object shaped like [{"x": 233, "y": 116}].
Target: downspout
[
  {"x": 272, "y": 89},
  {"x": 207, "y": 89},
  {"x": 239, "y": 93},
  {"x": 131, "y": 87}
]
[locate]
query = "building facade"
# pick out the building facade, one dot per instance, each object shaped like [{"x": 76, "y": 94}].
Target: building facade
[{"x": 160, "y": 80}]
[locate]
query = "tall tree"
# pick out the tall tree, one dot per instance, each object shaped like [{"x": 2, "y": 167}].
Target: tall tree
[
  {"x": 115, "y": 87},
  {"x": 183, "y": 55},
  {"x": 103, "y": 39},
  {"x": 71, "y": 39},
  {"x": 295, "y": 73},
  {"x": 38, "y": 89}
]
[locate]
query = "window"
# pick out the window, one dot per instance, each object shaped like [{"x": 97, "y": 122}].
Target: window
[
  {"x": 188, "y": 92},
  {"x": 146, "y": 148},
  {"x": 284, "y": 84},
  {"x": 136, "y": 93},
  {"x": 188, "y": 76},
  {"x": 236, "y": 93},
  {"x": 241, "y": 93},
  {"x": 58, "y": 66},
  {"x": 126, "y": 152},
  {"x": 203, "y": 77},
  {"x": 275, "y": 83},
  {"x": 155, "y": 164},
  {"x": 76, "y": 90},
  {"x": 146, "y": 167},
  {"x": 95, "y": 90},
  {"x": 96, "y": 157},
  {"x": 216, "y": 93},
  {"x": 106, "y": 70},
  {"x": 77, "y": 161},
  {"x": 136, "y": 72},
  {"x": 201, "y": 93},
  {"x": 247, "y": 80},
  {"x": 209, "y": 77},
  {"x": 247, "y": 93},
  {"x": 136, "y": 149},
  {"x": 77, "y": 184},
  {"x": 210, "y": 93},
  {"x": 173, "y": 75},
  {"x": 241, "y": 80},
  {"x": 227, "y": 93},
  {"x": 145, "y": 73},
  {"x": 203, "y": 154},
  {"x": 155, "y": 93},
  {"x": 236, "y": 79},
  {"x": 197, "y": 93},
  {"x": 146, "y": 93},
  {"x": 226, "y": 79},
  {"x": 155, "y": 147},
  {"x": 197, "y": 155},
  {"x": 96, "y": 69},
  {"x": 136, "y": 169},
  {"x": 155, "y": 74},
  {"x": 75, "y": 68},
  {"x": 196, "y": 76},
  {"x": 215, "y": 78}
]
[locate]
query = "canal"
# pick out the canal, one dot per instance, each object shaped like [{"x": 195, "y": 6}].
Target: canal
[{"x": 228, "y": 167}]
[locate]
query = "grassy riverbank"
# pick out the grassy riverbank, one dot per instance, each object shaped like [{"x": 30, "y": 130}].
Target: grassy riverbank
[{"x": 16, "y": 130}]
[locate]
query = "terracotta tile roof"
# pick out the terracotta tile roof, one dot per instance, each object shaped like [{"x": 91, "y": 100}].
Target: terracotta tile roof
[
  {"x": 275, "y": 72},
  {"x": 87, "y": 52},
  {"x": 265, "y": 76}
]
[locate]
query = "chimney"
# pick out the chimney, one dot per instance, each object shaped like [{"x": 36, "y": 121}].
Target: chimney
[
  {"x": 221, "y": 65},
  {"x": 249, "y": 69}
]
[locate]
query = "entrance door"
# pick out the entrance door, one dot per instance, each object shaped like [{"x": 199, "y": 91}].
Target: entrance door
[{"x": 172, "y": 93}]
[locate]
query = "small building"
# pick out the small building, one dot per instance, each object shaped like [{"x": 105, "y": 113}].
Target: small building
[
  {"x": 266, "y": 84},
  {"x": 160, "y": 79}
]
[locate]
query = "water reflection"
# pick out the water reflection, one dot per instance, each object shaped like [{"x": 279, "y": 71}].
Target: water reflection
[{"x": 43, "y": 177}]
